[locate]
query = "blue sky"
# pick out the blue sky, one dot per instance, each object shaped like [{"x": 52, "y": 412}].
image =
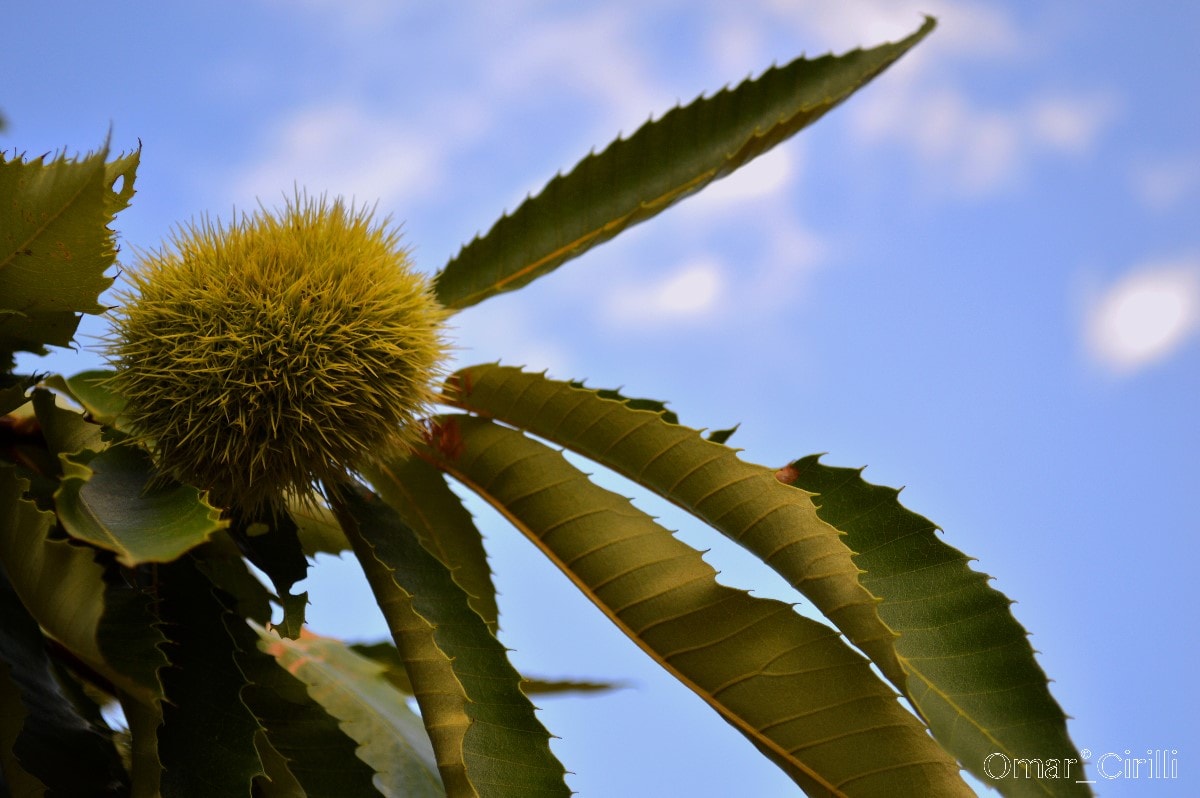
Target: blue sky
[{"x": 980, "y": 278}]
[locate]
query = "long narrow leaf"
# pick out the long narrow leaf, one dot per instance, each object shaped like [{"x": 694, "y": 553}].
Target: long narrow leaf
[
  {"x": 788, "y": 683},
  {"x": 483, "y": 729},
  {"x": 352, "y": 689},
  {"x": 663, "y": 162},
  {"x": 15, "y": 781},
  {"x": 743, "y": 501},
  {"x": 389, "y": 657},
  {"x": 145, "y": 767},
  {"x": 971, "y": 670},
  {"x": 63, "y": 587},
  {"x": 444, "y": 527},
  {"x": 60, "y": 724},
  {"x": 207, "y": 738}
]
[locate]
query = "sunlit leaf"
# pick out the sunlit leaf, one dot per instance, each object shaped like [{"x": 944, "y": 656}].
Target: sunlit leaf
[
  {"x": 318, "y": 530},
  {"x": 353, "y": 689},
  {"x": 55, "y": 244},
  {"x": 741, "y": 500},
  {"x": 971, "y": 670},
  {"x": 663, "y": 162},
  {"x": 789, "y": 684}
]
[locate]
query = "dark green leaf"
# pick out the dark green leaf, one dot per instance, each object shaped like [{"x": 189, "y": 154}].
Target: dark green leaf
[
  {"x": 143, "y": 720},
  {"x": 62, "y": 743},
  {"x": 222, "y": 563},
  {"x": 721, "y": 435},
  {"x": 62, "y": 586},
  {"x": 653, "y": 405},
  {"x": 484, "y": 731},
  {"x": 663, "y": 162},
  {"x": 271, "y": 541},
  {"x": 420, "y": 494},
  {"x": 117, "y": 502},
  {"x": 971, "y": 670},
  {"x": 206, "y": 741},
  {"x": 92, "y": 390},
  {"x": 313, "y": 749}
]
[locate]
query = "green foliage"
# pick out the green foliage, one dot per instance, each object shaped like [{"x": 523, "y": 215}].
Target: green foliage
[
  {"x": 962, "y": 650},
  {"x": 111, "y": 501},
  {"x": 435, "y": 514},
  {"x": 486, "y": 736},
  {"x": 663, "y": 162},
  {"x": 256, "y": 361},
  {"x": 776, "y": 676},
  {"x": 354, "y": 690},
  {"x": 743, "y": 501},
  {"x": 203, "y": 752},
  {"x": 91, "y": 390},
  {"x": 59, "y": 719},
  {"x": 55, "y": 245}
]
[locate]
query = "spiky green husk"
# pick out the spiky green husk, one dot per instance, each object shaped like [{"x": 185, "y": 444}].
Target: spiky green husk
[{"x": 273, "y": 355}]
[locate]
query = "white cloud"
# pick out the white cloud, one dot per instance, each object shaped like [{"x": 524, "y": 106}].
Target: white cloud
[
  {"x": 767, "y": 177},
  {"x": 1069, "y": 123},
  {"x": 966, "y": 146},
  {"x": 344, "y": 149},
  {"x": 736, "y": 42},
  {"x": 516, "y": 59},
  {"x": 972, "y": 150},
  {"x": 591, "y": 56},
  {"x": 689, "y": 293},
  {"x": 504, "y": 330},
  {"x": 1145, "y": 316},
  {"x": 793, "y": 253},
  {"x": 977, "y": 29},
  {"x": 356, "y": 18},
  {"x": 1163, "y": 182}
]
